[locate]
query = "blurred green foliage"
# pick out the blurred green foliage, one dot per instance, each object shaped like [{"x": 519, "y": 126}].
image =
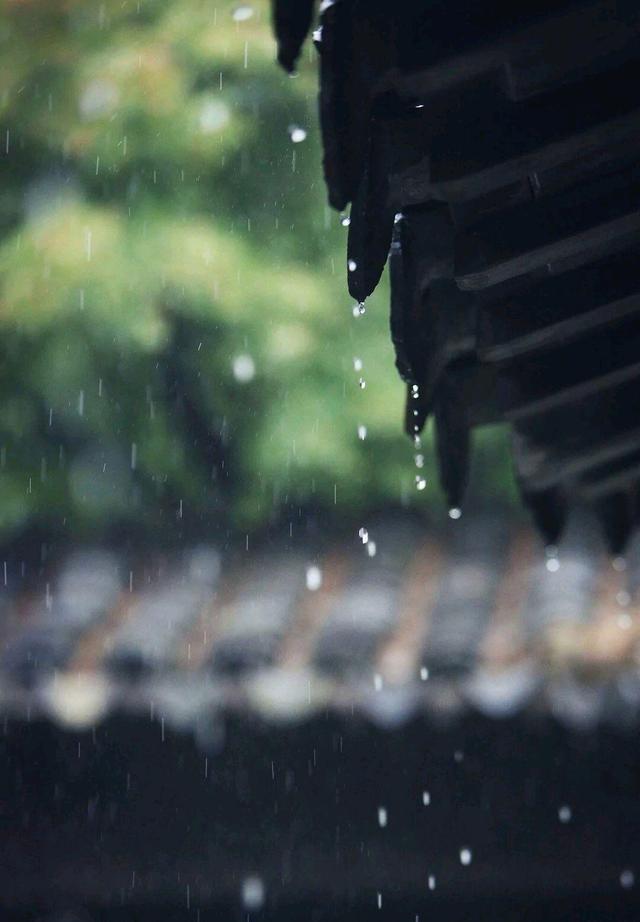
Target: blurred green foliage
[{"x": 176, "y": 339}]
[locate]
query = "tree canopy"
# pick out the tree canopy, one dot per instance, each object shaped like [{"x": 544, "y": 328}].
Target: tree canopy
[{"x": 176, "y": 338}]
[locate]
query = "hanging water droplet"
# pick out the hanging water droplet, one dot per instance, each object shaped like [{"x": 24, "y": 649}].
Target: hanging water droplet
[
  {"x": 345, "y": 220},
  {"x": 454, "y": 512},
  {"x": 465, "y": 856},
  {"x": 313, "y": 578},
  {"x": 362, "y": 433},
  {"x": 359, "y": 309},
  {"x": 352, "y": 265}
]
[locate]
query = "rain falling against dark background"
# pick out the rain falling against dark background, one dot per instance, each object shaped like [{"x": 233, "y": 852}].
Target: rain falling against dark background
[{"x": 180, "y": 366}]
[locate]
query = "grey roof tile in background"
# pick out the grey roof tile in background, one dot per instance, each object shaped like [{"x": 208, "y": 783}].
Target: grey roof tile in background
[{"x": 472, "y": 615}]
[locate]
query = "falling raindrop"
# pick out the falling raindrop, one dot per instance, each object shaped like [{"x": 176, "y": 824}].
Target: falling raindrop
[
  {"x": 379, "y": 900},
  {"x": 623, "y": 598},
  {"x": 362, "y": 433},
  {"x": 553, "y": 564},
  {"x": 253, "y": 893},
  {"x": 565, "y": 814},
  {"x": 242, "y": 13},
  {"x": 214, "y": 116},
  {"x": 98, "y": 98},
  {"x": 244, "y": 368},
  {"x": 421, "y": 483},
  {"x": 431, "y": 881},
  {"x": 357, "y": 364},
  {"x": 424, "y": 673},
  {"x": 417, "y": 441},
  {"x": 382, "y": 817},
  {"x": 415, "y": 391},
  {"x": 297, "y": 134},
  {"x": 371, "y": 548},
  {"x": 465, "y": 856},
  {"x": 397, "y": 218},
  {"x": 363, "y": 534},
  {"x": 419, "y": 460},
  {"x": 313, "y": 578},
  {"x": 627, "y": 879},
  {"x": 362, "y": 384},
  {"x": 454, "y": 512},
  {"x": 426, "y": 798}
]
